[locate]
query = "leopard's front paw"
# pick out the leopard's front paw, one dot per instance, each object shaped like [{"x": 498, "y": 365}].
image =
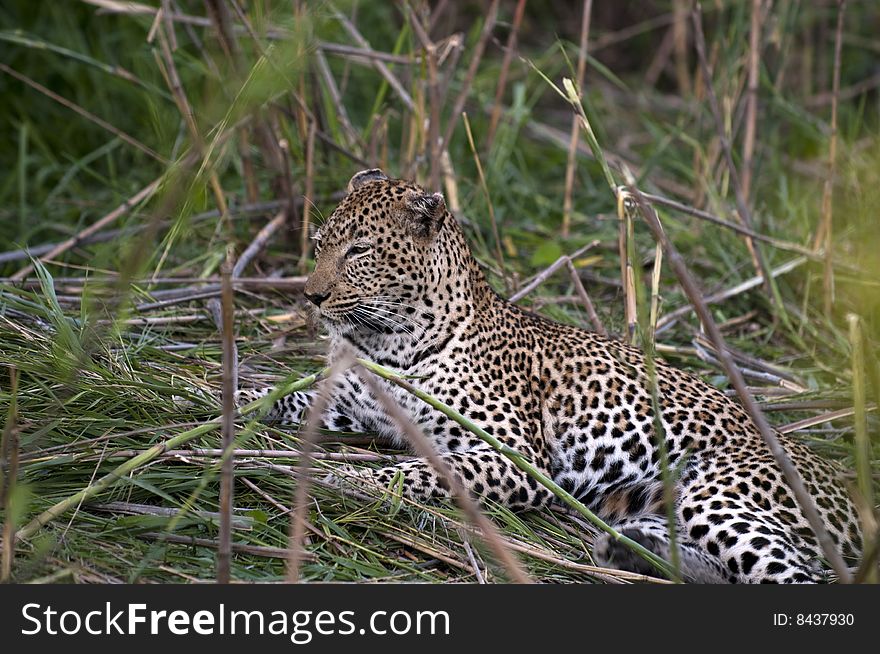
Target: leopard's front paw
[
  {"x": 611, "y": 553},
  {"x": 348, "y": 476}
]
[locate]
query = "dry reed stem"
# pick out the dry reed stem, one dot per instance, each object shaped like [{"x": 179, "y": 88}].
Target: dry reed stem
[
  {"x": 259, "y": 243},
  {"x": 213, "y": 453},
  {"x": 241, "y": 548},
  {"x": 792, "y": 476},
  {"x": 364, "y": 56},
  {"x": 571, "y": 162},
  {"x": 496, "y": 235},
  {"x": 244, "y": 211},
  {"x": 307, "y": 204},
  {"x": 660, "y": 59},
  {"x": 226, "y": 34},
  {"x": 825, "y": 231},
  {"x": 169, "y": 72},
  {"x": 863, "y": 450},
  {"x": 285, "y": 180},
  {"x": 655, "y": 292},
  {"x": 625, "y": 238},
  {"x": 351, "y": 136},
  {"x": 868, "y": 568},
  {"x": 679, "y": 32},
  {"x": 377, "y": 63},
  {"x": 432, "y": 134},
  {"x": 585, "y": 298},
  {"x": 509, "y": 49},
  {"x": 9, "y": 461},
  {"x": 739, "y": 229},
  {"x": 425, "y": 450},
  {"x": 742, "y": 207},
  {"x": 230, "y": 366},
  {"x": 825, "y": 418},
  {"x": 733, "y": 291},
  {"x": 545, "y": 274},
  {"x": 270, "y": 144},
  {"x": 458, "y": 106},
  {"x": 220, "y": 20},
  {"x": 251, "y": 185},
  {"x": 253, "y": 249},
  {"x": 307, "y": 438},
  {"x": 468, "y": 550},
  {"x": 752, "y": 97}
]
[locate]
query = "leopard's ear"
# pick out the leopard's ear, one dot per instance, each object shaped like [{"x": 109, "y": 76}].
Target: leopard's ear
[
  {"x": 425, "y": 214},
  {"x": 364, "y": 176}
]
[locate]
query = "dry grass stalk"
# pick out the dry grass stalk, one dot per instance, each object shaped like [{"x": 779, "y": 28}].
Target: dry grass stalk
[
  {"x": 258, "y": 244},
  {"x": 285, "y": 181},
  {"x": 567, "y": 202},
  {"x": 660, "y": 59},
  {"x": 365, "y": 55},
  {"x": 469, "y": 551},
  {"x": 790, "y": 472},
  {"x": 868, "y": 570}
]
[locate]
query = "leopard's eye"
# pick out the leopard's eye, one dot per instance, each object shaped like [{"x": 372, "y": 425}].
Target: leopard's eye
[{"x": 358, "y": 248}]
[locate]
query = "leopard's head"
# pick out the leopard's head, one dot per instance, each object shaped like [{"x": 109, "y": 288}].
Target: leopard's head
[{"x": 372, "y": 262}]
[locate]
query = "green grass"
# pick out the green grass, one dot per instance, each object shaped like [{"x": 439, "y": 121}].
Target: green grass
[{"x": 100, "y": 381}]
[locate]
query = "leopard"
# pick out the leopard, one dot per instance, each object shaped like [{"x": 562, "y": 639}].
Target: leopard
[{"x": 395, "y": 282}]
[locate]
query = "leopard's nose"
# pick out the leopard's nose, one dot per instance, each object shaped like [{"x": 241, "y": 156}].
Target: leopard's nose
[{"x": 317, "y": 298}]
